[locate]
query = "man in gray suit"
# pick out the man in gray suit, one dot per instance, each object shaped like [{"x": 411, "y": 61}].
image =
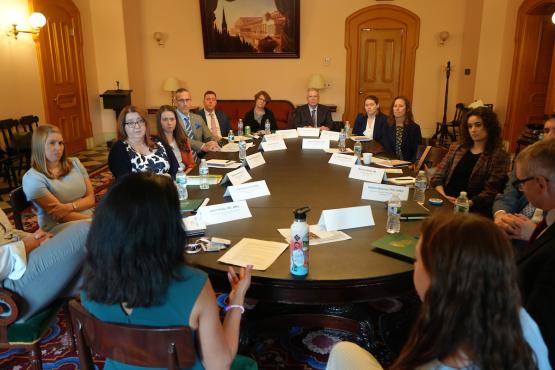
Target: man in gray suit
[{"x": 196, "y": 129}]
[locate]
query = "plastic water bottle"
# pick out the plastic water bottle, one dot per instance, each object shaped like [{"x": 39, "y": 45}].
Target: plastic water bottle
[
  {"x": 242, "y": 150},
  {"x": 341, "y": 143},
  {"x": 267, "y": 127},
  {"x": 347, "y": 129},
  {"x": 240, "y": 127},
  {"x": 230, "y": 136},
  {"x": 462, "y": 205},
  {"x": 203, "y": 171},
  {"x": 181, "y": 183},
  {"x": 358, "y": 151},
  {"x": 420, "y": 187},
  {"x": 393, "y": 214},
  {"x": 298, "y": 246}
]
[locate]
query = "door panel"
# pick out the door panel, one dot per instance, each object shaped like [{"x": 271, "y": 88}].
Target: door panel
[{"x": 61, "y": 56}]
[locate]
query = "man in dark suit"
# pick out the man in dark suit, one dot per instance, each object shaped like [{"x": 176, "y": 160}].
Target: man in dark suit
[
  {"x": 535, "y": 176},
  {"x": 313, "y": 114},
  {"x": 216, "y": 120}
]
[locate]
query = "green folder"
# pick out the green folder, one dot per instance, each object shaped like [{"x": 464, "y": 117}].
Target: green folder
[
  {"x": 190, "y": 205},
  {"x": 398, "y": 245}
]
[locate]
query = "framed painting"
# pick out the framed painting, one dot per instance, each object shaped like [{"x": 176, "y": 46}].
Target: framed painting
[{"x": 250, "y": 28}]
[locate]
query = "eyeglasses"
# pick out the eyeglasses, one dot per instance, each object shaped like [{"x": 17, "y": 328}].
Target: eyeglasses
[
  {"x": 519, "y": 184},
  {"x": 547, "y": 130},
  {"x": 183, "y": 100},
  {"x": 262, "y": 99},
  {"x": 135, "y": 124}
]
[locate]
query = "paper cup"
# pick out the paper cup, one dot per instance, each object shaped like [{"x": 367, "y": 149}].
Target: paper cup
[{"x": 367, "y": 158}]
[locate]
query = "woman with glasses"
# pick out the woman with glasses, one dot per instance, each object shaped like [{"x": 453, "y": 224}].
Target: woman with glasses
[
  {"x": 172, "y": 134},
  {"x": 256, "y": 117},
  {"x": 59, "y": 187},
  {"x": 135, "y": 151},
  {"x": 477, "y": 164}
]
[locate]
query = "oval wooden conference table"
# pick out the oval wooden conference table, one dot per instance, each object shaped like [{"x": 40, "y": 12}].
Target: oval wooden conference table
[{"x": 340, "y": 273}]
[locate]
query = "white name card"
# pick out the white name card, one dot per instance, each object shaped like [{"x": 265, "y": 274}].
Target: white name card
[
  {"x": 247, "y": 191},
  {"x": 274, "y": 145},
  {"x": 365, "y": 173},
  {"x": 255, "y": 160},
  {"x": 383, "y": 192},
  {"x": 308, "y": 131},
  {"x": 346, "y": 218},
  {"x": 271, "y": 138},
  {"x": 343, "y": 159},
  {"x": 237, "y": 176},
  {"x": 224, "y": 212},
  {"x": 288, "y": 134},
  {"x": 330, "y": 135},
  {"x": 316, "y": 144}
]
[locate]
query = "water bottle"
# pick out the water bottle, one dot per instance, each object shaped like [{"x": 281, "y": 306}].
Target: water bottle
[
  {"x": 358, "y": 151},
  {"x": 298, "y": 246},
  {"x": 230, "y": 136},
  {"x": 393, "y": 214},
  {"x": 347, "y": 129},
  {"x": 242, "y": 150},
  {"x": 341, "y": 144},
  {"x": 203, "y": 171},
  {"x": 462, "y": 205},
  {"x": 267, "y": 127},
  {"x": 420, "y": 187},
  {"x": 240, "y": 127},
  {"x": 181, "y": 183}
]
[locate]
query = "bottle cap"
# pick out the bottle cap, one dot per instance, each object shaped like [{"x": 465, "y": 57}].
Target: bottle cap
[
  {"x": 463, "y": 193},
  {"x": 300, "y": 213},
  {"x": 435, "y": 201}
]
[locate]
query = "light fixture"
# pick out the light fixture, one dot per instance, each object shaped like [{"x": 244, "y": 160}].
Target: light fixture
[
  {"x": 36, "y": 21},
  {"x": 443, "y": 37},
  {"x": 316, "y": 81},
  {"x": 171, "y": 85},
  {"x": 553, "y": 17},
  {"x": 160, "y": 38}
]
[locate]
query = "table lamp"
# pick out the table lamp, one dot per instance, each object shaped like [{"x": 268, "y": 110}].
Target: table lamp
[
  {"x": 317, "y": 82},
  {"x": 171, "y": 85}
]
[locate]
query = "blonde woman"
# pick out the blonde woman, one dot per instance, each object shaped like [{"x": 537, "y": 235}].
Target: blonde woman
[{"x": 59, "y": 187}]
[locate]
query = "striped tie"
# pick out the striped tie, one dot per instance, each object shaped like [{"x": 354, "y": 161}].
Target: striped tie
[{"x": 189, "y": 132}]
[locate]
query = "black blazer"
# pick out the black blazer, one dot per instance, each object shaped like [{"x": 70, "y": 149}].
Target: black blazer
[
  {"x": 411, "y": 139},
  {"x": 249, "y": 120},
  {"x": 536, "y": 268},
  {"x": 380, "y": 124},
  {"x": 223, "y": 120},
  {"x": 303, "y": 118}
]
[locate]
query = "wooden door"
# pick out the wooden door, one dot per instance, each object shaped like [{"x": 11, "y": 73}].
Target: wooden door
[
  {"x": 63, "y": 73},
  {"x": 381, "y": 42},
  {"x": 379, "y": 67}
]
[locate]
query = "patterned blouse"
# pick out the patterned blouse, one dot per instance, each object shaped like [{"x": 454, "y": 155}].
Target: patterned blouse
[
  {"x": 399, "y": 141},
  {"x": 156, "y": 162}
]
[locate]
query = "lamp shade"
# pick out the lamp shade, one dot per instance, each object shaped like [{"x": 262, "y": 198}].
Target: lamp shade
[
  {"x": 37, "y": 20},
  {"x": 171, "y": 84},
  {"x": 316, "y": 81}
]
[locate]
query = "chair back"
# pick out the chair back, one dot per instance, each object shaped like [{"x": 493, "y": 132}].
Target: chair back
[
  {"x": 460, "y": 111},
  {"x": 166, "y": 347},
  {"x": 29, "y": 123},
  {"x": 432, "y": 157},
  {"x": 19, "y": 203},
  {"x": 8, "y": 127}
]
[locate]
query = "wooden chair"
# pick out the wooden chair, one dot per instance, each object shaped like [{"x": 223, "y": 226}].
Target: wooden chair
[
  {"x": 12, "y": 138},
  {"x": 29, "y": 124},
  {"x": 442, "y": 129},
  {"x": 19, "y": 203},
  {"x": 166, "y": 347},
  {"x": 433, "y": 157}
]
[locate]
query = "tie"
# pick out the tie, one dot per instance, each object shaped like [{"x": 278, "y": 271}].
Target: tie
[
  {"x": 189, "y": 132},
  {"x": 214, "y": 126},
  {"x": 313, "y": 115},
  {"x": 537, "y": 231}
]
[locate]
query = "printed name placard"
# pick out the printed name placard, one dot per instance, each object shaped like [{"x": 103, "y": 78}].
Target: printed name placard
[
  {"x": 383, "y": 192},
  {"x": 255, "y": 160},
  {"x": 247, "y": 191},
  {"x": 365, "y": 173},
  {"x": 224, "y": 212},
  {"x": 271, "y": 138},
  {"x": 330, "y": 135},
  {"x": 237, "y": 176},
  {"x": 346, "y": 218},
  {"x": 288, "y": 134},
  {"x": 343, "y": 159},
  {"x": 308, "y": 131},
  {"x": 274, "y": 145},
  {"x": 316, "y": 144}
]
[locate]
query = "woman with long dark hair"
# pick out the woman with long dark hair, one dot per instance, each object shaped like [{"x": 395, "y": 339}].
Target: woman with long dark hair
[
  {"x": 477, "y": 164},
  {"x": 402, "y": 135},
  {"x": 172, "y": 134},
  {"x": 471, "y": 315},
  {"x": 135, "y": 272}
]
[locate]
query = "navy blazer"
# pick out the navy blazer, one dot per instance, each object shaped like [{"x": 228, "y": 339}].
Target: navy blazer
[
  {"x": 412, "y": 138},
  {"x": 223, "y": 120},
  {"x": 380, "y": 124}
]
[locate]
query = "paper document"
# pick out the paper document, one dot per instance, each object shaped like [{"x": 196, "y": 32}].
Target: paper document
[
  {"x": 336, "y": 150},
  {"x": 259, "y": 253},
  {"x": 318, "y": 235},
  {"x": 233, "y": 147},
  {"x": 360, "y": 138}
]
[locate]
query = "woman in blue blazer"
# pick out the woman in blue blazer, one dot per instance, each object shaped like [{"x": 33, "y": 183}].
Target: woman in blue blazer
[
  {"x": 372, "y": 122},
  {"x": 402, "y": 135}
]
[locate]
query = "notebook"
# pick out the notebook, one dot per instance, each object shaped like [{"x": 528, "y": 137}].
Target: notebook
[
  {"x": 400, "y": 246},
  {"x": 190, "y": 205},
  {"x": 412, "y": 210}
]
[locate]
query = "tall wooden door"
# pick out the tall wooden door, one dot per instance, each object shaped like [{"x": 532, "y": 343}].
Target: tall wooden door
[
  {"x": 63, "y": 73},
  {"x": 379, "y": 67},
  {"x": 381, "y": 42}
]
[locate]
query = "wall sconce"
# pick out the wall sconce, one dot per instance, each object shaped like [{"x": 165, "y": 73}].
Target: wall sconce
[
  {"x": 36, "y": 21},
  {"x": 316, "y": 81},
  {"x": 171, "y": 85},
  {"x": 553, "y": 18},
  {"x": 443, "y": 37},
  {"x": 160, "y": 38}
]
